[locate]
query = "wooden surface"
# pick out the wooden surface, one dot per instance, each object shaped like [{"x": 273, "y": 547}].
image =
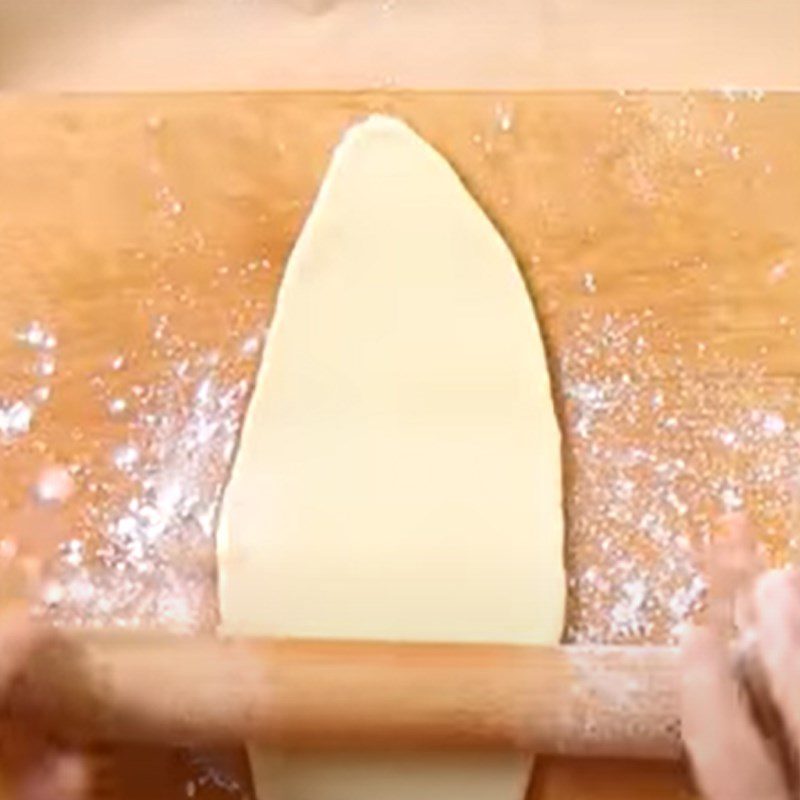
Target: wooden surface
[{"x": 119, "y": 215}]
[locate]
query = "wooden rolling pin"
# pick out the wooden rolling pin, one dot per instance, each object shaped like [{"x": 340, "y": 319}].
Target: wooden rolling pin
[{"x": 298, "y": 693}]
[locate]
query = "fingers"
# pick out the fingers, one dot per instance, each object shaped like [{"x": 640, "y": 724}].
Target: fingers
[
  {"x": 36, "y": 771},
  {"x": 61, "y": 775},
  {"x": 18, "y": 637},
  {"x": 731, "y": 762},
  {"x": 777, "y": 604},
  {"x": 733, "y": 563}
]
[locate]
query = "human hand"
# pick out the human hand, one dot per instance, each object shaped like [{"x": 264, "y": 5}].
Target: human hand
[
  {"x": 734, "y": 755},
  {"x": 32, "y": 768}
]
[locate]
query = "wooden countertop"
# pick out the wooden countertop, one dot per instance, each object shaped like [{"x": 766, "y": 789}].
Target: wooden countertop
[{"x": 155, "y": 228}]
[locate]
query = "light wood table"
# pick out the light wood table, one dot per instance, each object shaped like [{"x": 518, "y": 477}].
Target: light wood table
[{"x": 123, "y": 214}]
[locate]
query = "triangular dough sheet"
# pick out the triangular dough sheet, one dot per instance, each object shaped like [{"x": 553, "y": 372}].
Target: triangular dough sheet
[{"x": 399, "y": 474}]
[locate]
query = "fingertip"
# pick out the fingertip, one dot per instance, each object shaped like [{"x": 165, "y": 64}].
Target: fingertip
[
  {"x": 71, "y": 775},
  {"x": 61, "y": 775},
  {"x": 18, "y": 636},
  {"x": 732, "y": 533},
  {"x": 731, "y": 522},
  {"x": 776, "y": 592}
]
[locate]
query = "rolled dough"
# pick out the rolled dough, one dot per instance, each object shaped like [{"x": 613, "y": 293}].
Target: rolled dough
[{"x": 399, "y": 472}]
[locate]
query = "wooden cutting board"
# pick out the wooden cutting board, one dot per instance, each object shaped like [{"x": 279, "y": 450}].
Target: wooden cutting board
[{"x": 148, "y": 231}]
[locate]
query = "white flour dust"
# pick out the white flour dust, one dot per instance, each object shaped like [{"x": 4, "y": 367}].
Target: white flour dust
[
  {"x": 662, "y": 436},
  {"x": 152, "y": 561},
  {"x": 18, "y": 408}
]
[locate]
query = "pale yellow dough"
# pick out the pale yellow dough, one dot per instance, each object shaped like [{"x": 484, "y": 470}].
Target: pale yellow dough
[{"x": 399, "y": 474}]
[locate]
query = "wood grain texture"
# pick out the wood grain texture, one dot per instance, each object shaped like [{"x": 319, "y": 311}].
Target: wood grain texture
[
  {"x": 92, "y": 245},
  {"x": 365, "y": 695}
]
